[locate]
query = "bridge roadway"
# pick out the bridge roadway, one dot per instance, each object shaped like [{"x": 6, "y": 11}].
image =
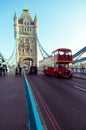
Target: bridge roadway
[{"x": 62, "y": 103}]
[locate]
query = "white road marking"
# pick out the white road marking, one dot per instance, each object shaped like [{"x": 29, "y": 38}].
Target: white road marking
[{"x": 77, "y": 87}]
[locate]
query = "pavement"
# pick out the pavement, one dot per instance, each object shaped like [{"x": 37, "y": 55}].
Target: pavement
[
  {"x": 80, "y": 75},
  {"x": 13, "y": 112}
]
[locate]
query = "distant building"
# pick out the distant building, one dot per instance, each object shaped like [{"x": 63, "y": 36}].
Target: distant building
[{"x": 25, "y": 33}]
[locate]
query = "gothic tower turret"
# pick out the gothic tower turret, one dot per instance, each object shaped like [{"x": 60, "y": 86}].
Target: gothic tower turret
[
  {"x": 36, "y": 24},
  {"x": 15, "y": 25},
  {"x": 25, "y": 32},
  {"x": 16, "y": 35}
]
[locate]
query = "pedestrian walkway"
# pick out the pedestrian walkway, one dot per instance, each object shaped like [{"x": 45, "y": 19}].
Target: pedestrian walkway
[
  {"x": 13, "y": 112},
  {"x": 80, "y": 75}
]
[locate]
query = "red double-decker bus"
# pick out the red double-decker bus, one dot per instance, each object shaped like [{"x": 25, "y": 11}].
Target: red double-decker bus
[{"x": 57, "y": 64}]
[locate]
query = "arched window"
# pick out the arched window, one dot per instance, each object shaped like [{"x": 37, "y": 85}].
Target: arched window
[{"x": 26, "y": 22}]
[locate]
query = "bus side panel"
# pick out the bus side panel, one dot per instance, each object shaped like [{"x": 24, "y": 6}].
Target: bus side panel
[{"x": 51, "y": 71}]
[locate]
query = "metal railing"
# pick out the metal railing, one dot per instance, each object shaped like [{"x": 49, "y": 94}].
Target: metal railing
[
  {"x": 34, "y": 122},
  {"x": 79, "y": 70}
]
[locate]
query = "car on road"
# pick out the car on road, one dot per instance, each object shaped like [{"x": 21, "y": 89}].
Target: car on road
[{"x": 33, "y": 70}]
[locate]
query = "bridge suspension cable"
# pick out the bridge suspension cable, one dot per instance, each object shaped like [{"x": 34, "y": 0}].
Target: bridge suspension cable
[
  {"x": 77, "y": 56},
  {"x": 12, "y": 53},
  {"x": 42, "y": 51},
  {"x": 12, "y": 58}
]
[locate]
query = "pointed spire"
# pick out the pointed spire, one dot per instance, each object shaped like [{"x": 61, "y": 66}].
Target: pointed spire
[
  {"x": 15, "y": 15},
  {"x": 26, "y": 13},
  {"x": 25, "y": 9},
  {"x": 36, "y": 18}
]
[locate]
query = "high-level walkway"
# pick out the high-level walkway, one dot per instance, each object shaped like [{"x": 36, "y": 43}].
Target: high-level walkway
[{"x": 13, "y": 112}]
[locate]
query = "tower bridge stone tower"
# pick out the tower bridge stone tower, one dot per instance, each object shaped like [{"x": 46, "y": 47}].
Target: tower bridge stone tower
[{"x": 25, "y": 33}]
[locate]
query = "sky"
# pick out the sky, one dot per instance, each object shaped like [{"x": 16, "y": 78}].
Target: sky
[{"x": 61, "y": 23}]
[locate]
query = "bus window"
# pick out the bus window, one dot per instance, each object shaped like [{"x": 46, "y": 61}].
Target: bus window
[
  {"x": 52, "y": 65},
  {"x": 56, "y": 53},
  {"x": 61, "y": 52},
  {"x": 56, "y": 64},
  {"x": 69, "y": 53}
]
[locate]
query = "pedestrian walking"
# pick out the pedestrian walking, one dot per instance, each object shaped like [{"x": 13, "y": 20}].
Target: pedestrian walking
[
  {"x": 0, "y": 69},
  {"x": 16, "y": 71},
  {"x": 20, "y": 70}
]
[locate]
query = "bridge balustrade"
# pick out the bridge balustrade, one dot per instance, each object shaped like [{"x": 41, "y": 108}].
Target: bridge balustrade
[{"x": 79, "y": 70}]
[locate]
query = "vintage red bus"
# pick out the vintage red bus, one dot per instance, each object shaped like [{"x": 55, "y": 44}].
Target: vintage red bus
[{"x": 57, "y": 64}]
